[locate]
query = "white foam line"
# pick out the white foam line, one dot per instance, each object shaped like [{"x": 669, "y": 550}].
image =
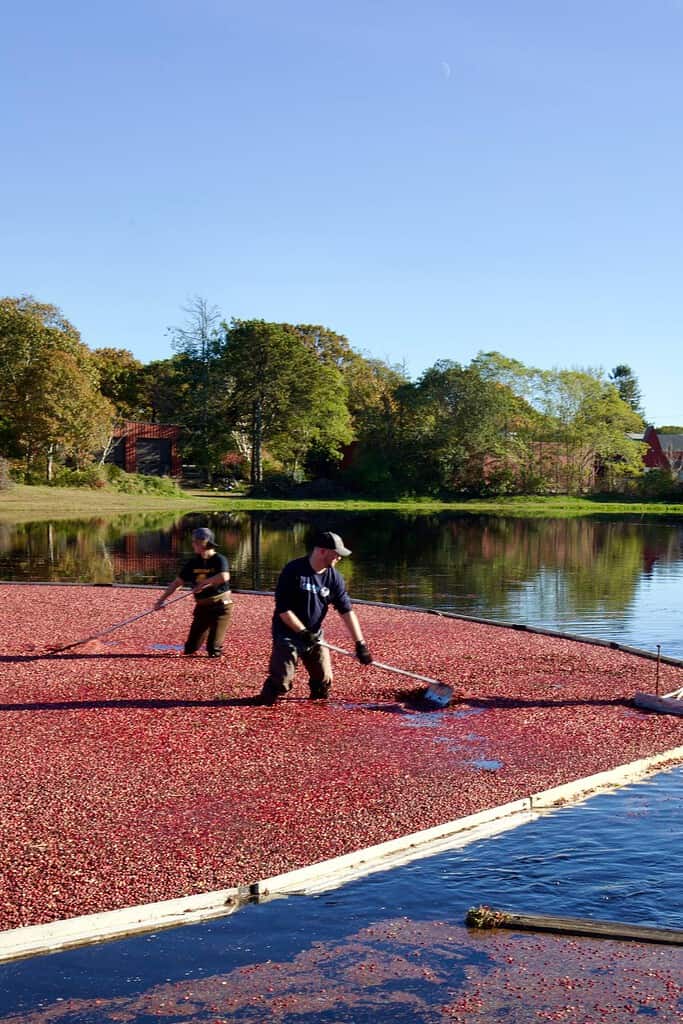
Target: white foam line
[{"x": 328, "y": 874}]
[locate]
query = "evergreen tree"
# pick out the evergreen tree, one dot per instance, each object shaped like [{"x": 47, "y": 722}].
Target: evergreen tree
[{"x": 626, "y": 383}]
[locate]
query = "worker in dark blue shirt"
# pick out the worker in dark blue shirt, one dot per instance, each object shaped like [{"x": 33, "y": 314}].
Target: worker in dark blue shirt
[{"x": 306, "y": 588}]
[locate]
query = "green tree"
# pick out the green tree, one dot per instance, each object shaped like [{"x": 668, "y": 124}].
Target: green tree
[
  {"x": 626, "y": 383},
  {"x": 316, "y": 434},
  {"x": 369, "y": 382},
  {"x": 279, "y": 394},
  {"x": 164, "y": 388},
  {"x": 329, "y": 348},
  {"x": 520, "y": 379},
  {"x": 377, "y": 407},
  {"x": 471, "y": 423},
  {"x": 439, "y": 435},
  {"x": 590, "y": 422},
  {"x": 49, "y": 387},
  {"x": 199, "y": 344},
  {"x": 579, "y": 423}
]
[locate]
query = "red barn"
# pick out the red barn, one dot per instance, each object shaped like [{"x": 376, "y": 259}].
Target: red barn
[
  {"x": 148, "y": 448},
  {"x": 665, "y": 451}
]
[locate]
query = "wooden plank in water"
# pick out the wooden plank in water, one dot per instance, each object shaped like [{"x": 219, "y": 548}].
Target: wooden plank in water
[
  {"x": 487, "y": 917},
  {"x": 665, "y": 705}
]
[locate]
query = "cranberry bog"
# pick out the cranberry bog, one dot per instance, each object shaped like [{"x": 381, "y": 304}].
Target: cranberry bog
[{"x": 133, "y": 774}]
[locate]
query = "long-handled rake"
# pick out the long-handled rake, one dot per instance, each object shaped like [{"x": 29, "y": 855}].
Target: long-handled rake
[
  {"x": 439, "y": 694},
  {"x": 117, "y": 625}
]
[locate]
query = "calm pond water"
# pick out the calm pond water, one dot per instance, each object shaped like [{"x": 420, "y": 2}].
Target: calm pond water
[
  {"x": 618, "y": 578},
  {"x": 391, "y": 947}
]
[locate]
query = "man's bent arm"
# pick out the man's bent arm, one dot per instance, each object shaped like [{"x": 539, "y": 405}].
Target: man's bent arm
[
  {"x": 213, "y": 581},
  {"x": 292, "y": 621}
]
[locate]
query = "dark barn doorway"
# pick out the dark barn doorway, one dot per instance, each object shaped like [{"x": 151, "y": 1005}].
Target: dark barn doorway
[{"x": 153, "y": 456}]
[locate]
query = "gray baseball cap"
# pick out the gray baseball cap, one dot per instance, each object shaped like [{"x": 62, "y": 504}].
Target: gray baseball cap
[
  {"x": 331, "y": 542},
  {"x": 205, "y": 534}
]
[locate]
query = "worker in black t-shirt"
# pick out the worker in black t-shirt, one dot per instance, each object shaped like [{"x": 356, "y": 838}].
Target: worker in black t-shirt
[
  {"x": 208, "y": 573},
  {"x": 305, "y": 589}
]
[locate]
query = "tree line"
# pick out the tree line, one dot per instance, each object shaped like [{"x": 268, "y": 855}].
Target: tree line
[{"x": 279, "y": 403}]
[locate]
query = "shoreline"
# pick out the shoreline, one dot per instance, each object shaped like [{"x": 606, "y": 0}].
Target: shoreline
[{"x": 23, "y": 503}]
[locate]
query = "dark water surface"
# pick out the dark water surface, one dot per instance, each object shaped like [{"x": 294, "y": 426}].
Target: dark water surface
[
  {"x": 584, "y": 861},
  {"x": 618, "y": 578}
]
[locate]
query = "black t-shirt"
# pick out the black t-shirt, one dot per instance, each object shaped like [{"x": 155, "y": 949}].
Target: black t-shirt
[
  {"x": 308, "y": 594},
  {"x": 198, "y": 569}
]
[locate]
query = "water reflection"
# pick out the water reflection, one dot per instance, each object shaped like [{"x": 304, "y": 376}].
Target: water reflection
[{"x": 617, "y": 578}]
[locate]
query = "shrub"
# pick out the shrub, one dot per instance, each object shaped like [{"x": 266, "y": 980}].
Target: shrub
[
  {"x": 23, "y": 475},
  {"x": 235, "y": 465},
  {"x": 99, "y": 477},
  {"x": 137, "y": 483},
  {"x": 658, "y": 483},
  {"x": 92, "y": 476},
  {"x": 159, "y": 485},
  {"x": 274, "y": 485},
  {"x": 114, "y": 473}
]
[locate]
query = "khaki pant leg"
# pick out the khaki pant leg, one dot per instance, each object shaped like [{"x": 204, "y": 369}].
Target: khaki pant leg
[{"x": 218, "y": 628}]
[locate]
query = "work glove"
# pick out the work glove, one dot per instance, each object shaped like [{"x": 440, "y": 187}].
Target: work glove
[
  {"x": 363, "y": 653},
  {"x": 307, "y": 640}
]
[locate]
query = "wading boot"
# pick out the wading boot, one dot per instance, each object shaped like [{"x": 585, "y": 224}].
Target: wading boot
[
  {"x": 270, "y": 693},
  {"x": 319, "y": 691}
]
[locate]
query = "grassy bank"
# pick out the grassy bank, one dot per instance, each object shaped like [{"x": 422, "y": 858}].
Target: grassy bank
[{"x": 25, "y": 503}]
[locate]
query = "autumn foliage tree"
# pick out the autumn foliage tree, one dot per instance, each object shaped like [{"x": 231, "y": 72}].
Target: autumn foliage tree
[
  {"x": 49, "y": 388},
  {"x": 121, "y": 380}
]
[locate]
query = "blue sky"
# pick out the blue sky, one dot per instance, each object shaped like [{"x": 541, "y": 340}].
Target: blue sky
[{"x": 431, "y": 179}]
